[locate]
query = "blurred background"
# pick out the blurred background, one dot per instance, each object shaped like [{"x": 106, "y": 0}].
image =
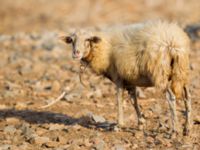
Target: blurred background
[
  {"x": 35, "y": 68},
  {"x": 31, "y": 15}
]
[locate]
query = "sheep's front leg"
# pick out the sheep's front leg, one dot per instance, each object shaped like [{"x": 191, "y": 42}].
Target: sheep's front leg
[
  {"x": 134, "y": 101},
  {"x": 187, "y": 102},
  {"x": 172, "y": 105},
  {"x": 120, "y": 106}
]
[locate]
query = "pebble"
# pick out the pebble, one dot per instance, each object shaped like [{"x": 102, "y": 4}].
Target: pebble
[
  {"x": 56, "y": 127},
  {"x": 150, "y": 140},
  {"x": 99, "y": 144},
  {"x": 21, "y": 106},
  {"x": 139, "y": 134},
  {"x": 5, "y": 147},
  {"x": 12, "y": 120},
  {"x": 51, "y": 144},
  {"x": 41, "y": 140},
  {"x": 196, "y": 119},
  {"x": 119, "y": 147},
  {"x": 27, "y": 131},
  {"x": 48, "y": 41},
  {"x": 10, "y": 129},
  {"x": 2, "y": 106},
  {"x": 56, "y": 86},
  {"x": 71, "y": 97},
  {"x": 96, "y": 118}
]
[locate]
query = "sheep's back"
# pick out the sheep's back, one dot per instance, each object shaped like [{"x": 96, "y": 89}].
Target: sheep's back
[{"x": 143, "y": 55}]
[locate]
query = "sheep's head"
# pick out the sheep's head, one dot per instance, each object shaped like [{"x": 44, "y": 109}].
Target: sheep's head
[{"x": 81, "y": 43}]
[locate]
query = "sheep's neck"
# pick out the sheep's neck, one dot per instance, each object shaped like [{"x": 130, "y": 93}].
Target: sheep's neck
[{"x": 99, "y": 59}]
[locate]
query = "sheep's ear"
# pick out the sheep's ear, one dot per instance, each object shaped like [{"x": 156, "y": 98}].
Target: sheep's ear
[
  {"x": 95, "y": 39},
  {"x": 66, "y": 39}
]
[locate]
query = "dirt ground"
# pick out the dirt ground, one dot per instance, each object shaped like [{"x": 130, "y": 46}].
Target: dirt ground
[{"x": 35, "y": 68}]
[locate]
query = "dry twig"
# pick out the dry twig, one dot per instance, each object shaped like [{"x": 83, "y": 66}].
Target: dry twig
[{"x": 55, "y": 101}]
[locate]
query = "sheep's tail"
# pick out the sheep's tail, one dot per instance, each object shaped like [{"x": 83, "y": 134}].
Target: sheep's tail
[{"x": 180, "y": 72}]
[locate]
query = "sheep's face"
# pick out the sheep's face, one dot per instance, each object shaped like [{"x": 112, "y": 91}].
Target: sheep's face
[{"x": 81, "y": 43}]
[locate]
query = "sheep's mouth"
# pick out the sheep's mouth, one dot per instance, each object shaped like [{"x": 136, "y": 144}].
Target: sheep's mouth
[
  {"x": 77, "y": 57},
  {"x": 84, "y": 60}
]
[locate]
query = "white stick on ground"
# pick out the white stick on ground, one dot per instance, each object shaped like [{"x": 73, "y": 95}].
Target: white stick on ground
[{"x": 54, "y": 101}]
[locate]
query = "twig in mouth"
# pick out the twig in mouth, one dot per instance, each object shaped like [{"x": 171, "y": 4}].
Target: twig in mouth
[{"x": 82, "y": 70}]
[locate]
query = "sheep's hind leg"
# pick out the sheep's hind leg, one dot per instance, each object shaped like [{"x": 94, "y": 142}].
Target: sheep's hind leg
[
  {"x": 120, "y": 106},
  {"x": 134, "y": 102},
  {"x": 187, "y": 102},
  {"x": 172, "y": 105}
]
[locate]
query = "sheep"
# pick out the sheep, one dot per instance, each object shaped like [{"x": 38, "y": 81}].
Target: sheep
[{"x": 150, "y": 54}]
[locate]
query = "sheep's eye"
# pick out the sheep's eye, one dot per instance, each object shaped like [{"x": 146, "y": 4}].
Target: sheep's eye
[
  {"x": 68, "y": 39},
  {"x": 96, "y": 39}
]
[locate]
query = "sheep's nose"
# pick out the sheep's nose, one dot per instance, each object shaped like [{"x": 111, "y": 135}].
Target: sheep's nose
[{"x": 77, "y": 52}]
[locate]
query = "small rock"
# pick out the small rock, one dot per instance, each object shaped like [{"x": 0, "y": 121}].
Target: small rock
[
  {"x": 48, "y": 45},
  {"x": 192, "y": 66},
  {"x": 10, "y": 129},
  {"x": 96, "y": 118},
  {"x": 2, "y": 106},
  {"x": 41, "y": 131},
  {"x": 5, "y": 147},
  {"x": 156, "y": 108},
  {"x": 56, "y": 127},
  {"x": 41, "y": 140},
  {"x": 12, "y": 120},
  {"x": 119, "y": 147},
  {"x": 150, "y": 140},
  {"x": 134, "y": 146},
  {"x": 99, "y": 144},
  {"x": 21, "y": 106},
  {"x": 77, "y": 127},
  {"x": 139, "y": 134},
  {"x": 52, "y": 144},
  {"x": 70, "y": 97},
  {"x": 167, "y": 144},
  {"x": 48, "y": 41},
  {"x": 98, "y": 93},
  {"x": 87, "y": 142},
  {"x": 56, "y": 86},
  {"x": 62, "y": 140},
  {"x": 89, "y": 95},
  {"x": 27, "y": 132},
  {"x": 35, "y": 36},
  {"x": 196, "y": 119}
]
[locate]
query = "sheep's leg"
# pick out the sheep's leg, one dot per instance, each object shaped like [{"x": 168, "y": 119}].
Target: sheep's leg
[
  {"x": 120, "y": 106},
  {"x": 172, "y": 105},
  {"x": 187, "y": 102},
  {"x": 134, "y": 101}
]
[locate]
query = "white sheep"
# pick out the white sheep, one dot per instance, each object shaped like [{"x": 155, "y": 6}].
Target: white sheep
[{"x": 147, "y": 54}]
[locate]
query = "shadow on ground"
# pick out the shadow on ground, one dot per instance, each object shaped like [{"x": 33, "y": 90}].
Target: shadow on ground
[{"x": 42, "y": 117}]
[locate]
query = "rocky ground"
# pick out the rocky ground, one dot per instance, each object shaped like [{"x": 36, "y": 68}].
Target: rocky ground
[{"x": 35, "y": 68}]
